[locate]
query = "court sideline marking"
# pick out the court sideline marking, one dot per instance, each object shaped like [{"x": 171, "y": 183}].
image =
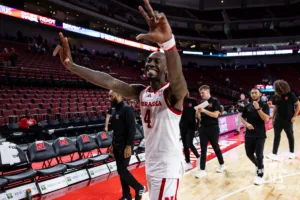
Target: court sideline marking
[
  {"x": 195, "y": 169},
  {"x": 251, "y": 186}
]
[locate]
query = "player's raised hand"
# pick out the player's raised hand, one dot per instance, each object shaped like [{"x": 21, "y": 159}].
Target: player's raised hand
[
  {"x": 159, "y": 27},
  {"x": 64, "y": 52}
]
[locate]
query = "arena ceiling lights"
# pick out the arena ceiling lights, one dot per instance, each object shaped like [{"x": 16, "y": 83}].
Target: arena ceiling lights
[
  {"x": 69, "y": 27},
  {"x": 84, "y": 31}
]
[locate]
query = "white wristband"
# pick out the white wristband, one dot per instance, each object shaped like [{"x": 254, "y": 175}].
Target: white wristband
[{"x": 167, "y": 46}]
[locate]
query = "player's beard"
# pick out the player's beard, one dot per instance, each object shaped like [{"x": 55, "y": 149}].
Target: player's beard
[
  {"x": 153, "y": 79},
  {"x": 114, "y": 102}
]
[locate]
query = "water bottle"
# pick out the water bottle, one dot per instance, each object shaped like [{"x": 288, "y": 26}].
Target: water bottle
[{"x": 28, "y": 194}]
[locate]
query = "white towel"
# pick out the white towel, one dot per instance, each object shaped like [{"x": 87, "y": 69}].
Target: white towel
[{"x": 9, "y": 153}]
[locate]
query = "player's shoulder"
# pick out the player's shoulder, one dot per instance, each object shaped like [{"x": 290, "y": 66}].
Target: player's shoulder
[{"x": 214, "y": 99}]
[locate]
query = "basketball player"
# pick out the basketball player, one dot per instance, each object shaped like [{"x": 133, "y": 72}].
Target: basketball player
[
  {"x": 161, "y": 103},
  {"x": 254, "y": 116},
  {"x": 284, "y": 116}
]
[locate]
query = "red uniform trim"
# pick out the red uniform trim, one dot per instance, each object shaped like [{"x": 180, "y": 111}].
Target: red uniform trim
[
  {"x": 162, "y": 188},
  {"x": 177, "y": 112},
  {"x": 177, "y": 189}
]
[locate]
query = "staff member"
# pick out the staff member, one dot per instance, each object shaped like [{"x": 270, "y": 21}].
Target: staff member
[
  {"x": 209, "y": 129},
  {"x": 240, "y": 107},
  {"x": 254, "y": 116},
  {"x": 284, "y": 116},
  {"x": 123, "y": 125},
  {"x": 187, "y": 126}
]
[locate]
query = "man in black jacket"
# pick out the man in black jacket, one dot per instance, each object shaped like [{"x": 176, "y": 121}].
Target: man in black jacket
[{"x": 123, "y": 126}]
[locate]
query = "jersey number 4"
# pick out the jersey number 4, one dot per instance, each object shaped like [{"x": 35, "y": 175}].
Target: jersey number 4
[{"x": 147, "y": 118}]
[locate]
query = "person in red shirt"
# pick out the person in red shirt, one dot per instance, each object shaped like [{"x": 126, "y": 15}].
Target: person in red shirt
[
  {"x": 6, "y": 57},
  {"x": 27, "y": 121}
]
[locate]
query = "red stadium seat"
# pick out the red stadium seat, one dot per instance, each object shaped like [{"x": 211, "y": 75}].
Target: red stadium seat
[
  {"x": 2, "y": 121},
  {"x": 25, "y": 101},
  {"x": 23, "y": 106},
  {"x": 81, "y": 109},
  {"x": 11, "y": 106},
  {"x": 73, "y": 105},
  {"x": 55, "y": 111},
  {"x": 80, "y": 104},
  {"x": 7, "y": 96},
  {"x": 64, "y": 105},
  {"x": 45, "y": 105},
  {"x": 15, "y": 101},
  {"x": 38, "y": 101},
  {"x": 18, "y": 96},
  {"x": 20, "y": 112},
  {"x": 42, "y": 111},
  {"x": 73, "y": 109},
  {"x": 89, "y": 104},
  {"x": 55, "y": 101},
  {"x": 33, "y": 106},
  {"x": 10, "y": 92},
  {"x": 4, "y": 101},
  {"x": 7, "y": 113},
  {"x": 55, "y": 105},
  {"x": 64, "y": 110}
]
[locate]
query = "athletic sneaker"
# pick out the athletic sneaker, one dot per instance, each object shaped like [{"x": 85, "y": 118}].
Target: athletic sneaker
[
  {"x": 258, "y": 180},
  {"x": 200, "y": 174},
  {"x": 139, "y": 193},
  {"x": 273, "y": 157},
  {"x": 255, "y": 172},
  {"x": 198, "y": 163},
  {"x": 292, "y": 156},
  {"x": 188, "y": 166},
  {"x": 220, "y": 169}
]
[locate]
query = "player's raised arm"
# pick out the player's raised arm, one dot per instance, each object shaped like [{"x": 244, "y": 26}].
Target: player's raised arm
[
  {"x": 101, "y": 79},
  {"x": 161, "y": 33}
]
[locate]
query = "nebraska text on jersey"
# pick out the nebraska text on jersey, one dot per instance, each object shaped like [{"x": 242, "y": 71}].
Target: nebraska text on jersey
[{"x": 154, "y": 103}]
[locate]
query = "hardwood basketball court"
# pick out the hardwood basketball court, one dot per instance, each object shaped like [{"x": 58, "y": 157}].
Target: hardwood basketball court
[{"x": 282, "y": 178}]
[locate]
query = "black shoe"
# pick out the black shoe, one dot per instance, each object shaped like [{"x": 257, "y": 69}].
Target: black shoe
[
  {"x": 126, "y": 198},
  {"x": 139, "y": 193}
]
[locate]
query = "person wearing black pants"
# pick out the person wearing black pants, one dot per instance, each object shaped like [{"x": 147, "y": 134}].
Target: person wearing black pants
[
  {"x": 187, "y": 130},
  {"x": 254, "y": 116},
  {"x": 209, "y": 130},
  {"x": 123, "y": 126},
  {"x": 284, "y": 116}
]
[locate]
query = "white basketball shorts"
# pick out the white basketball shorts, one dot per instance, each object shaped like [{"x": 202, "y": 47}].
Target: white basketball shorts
[{"x": 163, "y": 188}]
